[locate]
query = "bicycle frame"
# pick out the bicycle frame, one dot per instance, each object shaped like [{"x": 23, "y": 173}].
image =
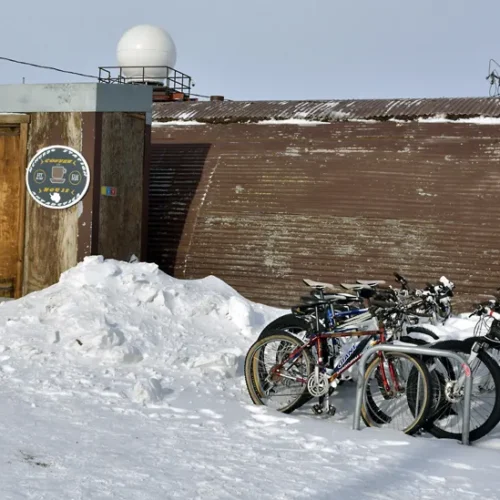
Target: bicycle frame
[
  {"x": 348, "y": 360},
  {"x": 330, "y": 315},
  {"x": 352, "y": 357}
]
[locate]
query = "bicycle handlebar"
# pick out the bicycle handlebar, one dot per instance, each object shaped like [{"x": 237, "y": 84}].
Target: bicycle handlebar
[{"x": 487, "y": 308}]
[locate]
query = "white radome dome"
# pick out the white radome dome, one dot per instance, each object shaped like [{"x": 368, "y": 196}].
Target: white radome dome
[{"x": 146, "y": 45}]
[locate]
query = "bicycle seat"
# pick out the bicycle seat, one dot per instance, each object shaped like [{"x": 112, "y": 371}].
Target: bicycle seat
[
  {"x": 352, "y": 286},
  {"x": 336, "y": 297},
  {"x": 349, "y": 296},
  {"x": 311, "y": 299},
  {"x": 371, "y": 282},
  {"x": 307, "y": 307},
  {"x": 317, "y": 284}
]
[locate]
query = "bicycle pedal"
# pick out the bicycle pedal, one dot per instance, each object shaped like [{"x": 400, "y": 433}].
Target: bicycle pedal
[{"x": 317, "y": 409}]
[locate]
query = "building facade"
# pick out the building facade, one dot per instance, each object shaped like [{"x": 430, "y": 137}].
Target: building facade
[{"x": 263, "y": 194}]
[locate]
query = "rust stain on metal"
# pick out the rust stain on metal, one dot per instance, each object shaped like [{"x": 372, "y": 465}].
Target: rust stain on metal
[{"x": 264, "y": 207}]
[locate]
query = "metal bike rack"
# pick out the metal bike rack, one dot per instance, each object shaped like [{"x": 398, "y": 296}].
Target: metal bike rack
[{"x": 424, "y": 351}]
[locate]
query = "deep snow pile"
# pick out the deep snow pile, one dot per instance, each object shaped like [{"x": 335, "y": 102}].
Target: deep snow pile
[
  {"x": 132, "y": 317},
  {"x": 122, "y": 382}
]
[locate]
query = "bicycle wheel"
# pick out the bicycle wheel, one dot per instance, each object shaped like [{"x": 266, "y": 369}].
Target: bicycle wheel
[
  {"x": 298, "y": 327},
  {"x": 445, "y": 418},
  {"x": 428, "y": 334},
  {"x": 288, "y": 322},
  {"x": 396, "y": 393},
  {"x": 268, "y": 382}
]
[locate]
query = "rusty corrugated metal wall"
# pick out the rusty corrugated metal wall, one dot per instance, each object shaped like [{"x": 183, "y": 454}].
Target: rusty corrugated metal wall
[{"x": 263, "y": 206}]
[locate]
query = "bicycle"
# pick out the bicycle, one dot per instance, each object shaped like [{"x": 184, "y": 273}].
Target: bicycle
[
  {"x": 431, "y": 302},
  {"x": 294, "y": 365},
  {"x": 298, "y": 323},
  {"x": 323, "y": 311},
  {"x": 448, "y": 382}
]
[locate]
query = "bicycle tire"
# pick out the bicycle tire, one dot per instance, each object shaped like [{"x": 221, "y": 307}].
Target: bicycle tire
[
  {"x": 423, "y": 331},
  {"x": 494, "y": 369},
  {"x": 285, "y": 322},
  {"x": 251, "y": 367},
  {"x": 378, "y": 418}
]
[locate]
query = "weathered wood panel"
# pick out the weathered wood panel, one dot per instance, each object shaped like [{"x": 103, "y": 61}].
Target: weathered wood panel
[
  {"x": 122, "y": 161},
  {"x": 145, "y": 191},
  {"x": 276, "y": 203},
  {"x": 23, "y": 152},
  {"x": 10, "y": 207},
  {"x": 14, "y": 118},
  {"x": 51, "y": 237}
]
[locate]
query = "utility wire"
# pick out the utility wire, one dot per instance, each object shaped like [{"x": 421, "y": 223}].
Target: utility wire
[
  {"x": 59, "y": 70},
  {"x": 52, "y": 68}
]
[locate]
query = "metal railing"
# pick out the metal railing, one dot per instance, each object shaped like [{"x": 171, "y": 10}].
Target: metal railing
[
  {"x": 172, "y": 79},
  {"x": 423, "y": 351}
]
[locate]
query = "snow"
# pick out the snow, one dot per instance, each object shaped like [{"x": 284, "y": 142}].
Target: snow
[
  {"x": 292, "y": 121},
  {"x": 176, "y": 123},
  {"x": 120, "y": 382},
  {"x": 480, "y": 120}
]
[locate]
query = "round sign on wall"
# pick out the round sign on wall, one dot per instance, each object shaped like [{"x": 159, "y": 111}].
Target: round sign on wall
[{"x": 57, "y": 177}]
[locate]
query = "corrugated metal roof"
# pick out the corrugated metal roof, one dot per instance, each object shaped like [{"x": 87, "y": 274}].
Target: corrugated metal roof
[{"x": 363, "y": 109}]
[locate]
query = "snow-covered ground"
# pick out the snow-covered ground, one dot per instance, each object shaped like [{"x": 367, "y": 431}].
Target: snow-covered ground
[{"x": 121, "y": 382}]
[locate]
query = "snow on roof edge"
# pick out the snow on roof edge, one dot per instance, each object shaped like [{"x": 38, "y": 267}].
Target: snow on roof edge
[
  {"x": 177, "y": 123},
  {"x": 479, "y": 120}
]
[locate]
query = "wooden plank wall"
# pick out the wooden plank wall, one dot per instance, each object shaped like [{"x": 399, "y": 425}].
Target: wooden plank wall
[
  {"x": 13, "y": 144},
  {"x": 122, "y": 159},
  {"x": 51, "y": 236},
  {"x": 10, "y": 188}
]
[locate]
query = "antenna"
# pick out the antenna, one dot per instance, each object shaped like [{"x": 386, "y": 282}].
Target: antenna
[{"x": 494, "y": 78}]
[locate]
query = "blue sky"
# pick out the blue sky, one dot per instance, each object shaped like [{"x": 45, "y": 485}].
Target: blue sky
[{"x": 272, "y": 49}]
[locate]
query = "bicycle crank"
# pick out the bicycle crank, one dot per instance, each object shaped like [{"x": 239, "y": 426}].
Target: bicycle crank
[{"x": 318, "y": 384}]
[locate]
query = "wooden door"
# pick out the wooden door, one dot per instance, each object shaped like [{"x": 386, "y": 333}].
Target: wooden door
[{"x": 11, "y": 210}]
